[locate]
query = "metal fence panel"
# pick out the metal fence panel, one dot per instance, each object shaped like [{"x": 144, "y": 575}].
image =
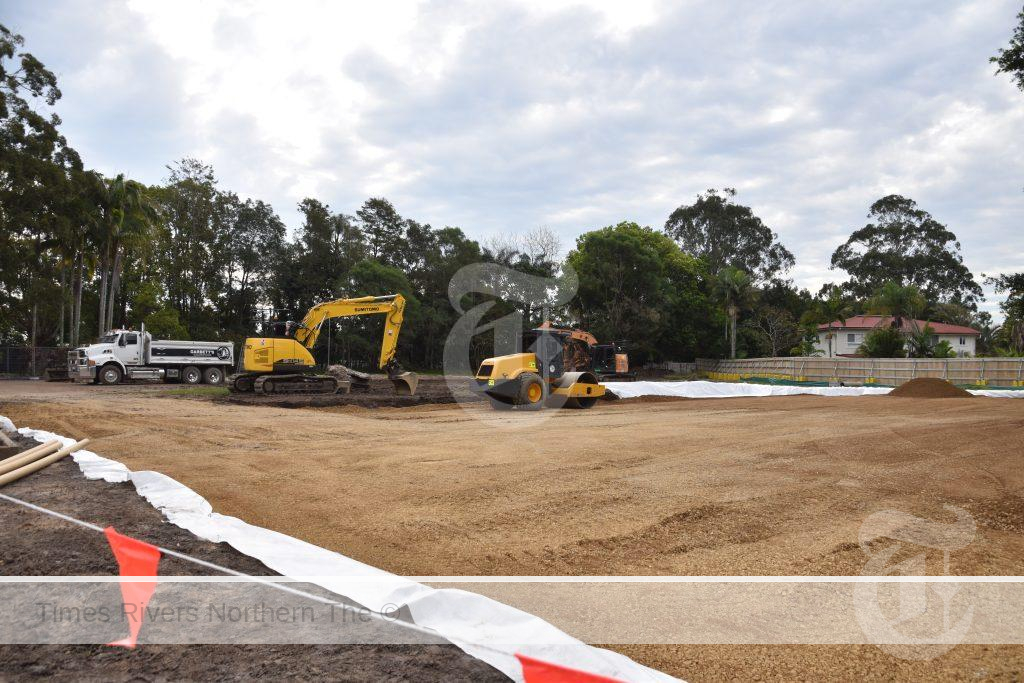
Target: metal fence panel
[
  {"x": 669, "y": 366},
  {"x": 24, "y": 361},
  {"x": 1006, "y": 372}
]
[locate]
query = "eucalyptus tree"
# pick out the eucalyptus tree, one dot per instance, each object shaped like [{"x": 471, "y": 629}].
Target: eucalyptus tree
[
  {"x": 36, "y": 165},
  {"x": 724, "y": 233},
  {"x": 1010, "y": 59},
  {"x": 904, "y": 244}
]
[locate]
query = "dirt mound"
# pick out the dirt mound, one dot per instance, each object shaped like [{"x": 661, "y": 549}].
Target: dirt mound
[{"x": 929, "y": 387}]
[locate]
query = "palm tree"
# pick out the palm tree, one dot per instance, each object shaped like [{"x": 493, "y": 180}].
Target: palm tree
[
  {"x": 834, "y": 309},
  {"x": 126, "y": 218},
  {"x": 1012, "y": 331},
  {"x": 898, "y": 302},
  {"x": 734, "y": 288},
  {"x": 919, "y": 341},
  {"x": 903, "y": 303}
]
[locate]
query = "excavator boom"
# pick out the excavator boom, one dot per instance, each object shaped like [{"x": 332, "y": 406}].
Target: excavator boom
[{"x": 392, "y": 306}]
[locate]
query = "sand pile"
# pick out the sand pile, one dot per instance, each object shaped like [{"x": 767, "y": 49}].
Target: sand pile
[{"x": 929, "y": 387}]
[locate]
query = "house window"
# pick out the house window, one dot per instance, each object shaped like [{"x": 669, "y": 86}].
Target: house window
[
  {"x": 962, "y": 341},
  {"x": 851, "y": 339}
]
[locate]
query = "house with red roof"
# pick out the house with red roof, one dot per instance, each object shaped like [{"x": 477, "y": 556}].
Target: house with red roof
[{"x": 847, "y": 336}]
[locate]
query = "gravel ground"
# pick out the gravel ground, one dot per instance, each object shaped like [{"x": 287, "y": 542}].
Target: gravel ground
[{"x": 755, "y": 486}]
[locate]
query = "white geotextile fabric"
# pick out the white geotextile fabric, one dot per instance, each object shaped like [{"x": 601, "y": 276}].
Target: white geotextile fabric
[
  {"x": 700, "y": 389},
  {"x": 998, "y": 393},
  {"x": 466, "y": 619}
]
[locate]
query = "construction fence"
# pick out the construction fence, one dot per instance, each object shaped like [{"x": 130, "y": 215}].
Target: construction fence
[
  {"x": 29, "y": 361},
  {"x": 980, "y": 372}
]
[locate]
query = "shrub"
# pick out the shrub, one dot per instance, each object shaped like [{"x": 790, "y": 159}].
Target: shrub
[
  {"x": 943, "y": 350},
  {"x": 883, "y": 342}
]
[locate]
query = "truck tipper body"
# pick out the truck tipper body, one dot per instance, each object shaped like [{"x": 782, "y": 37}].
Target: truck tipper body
[{"x": 131, "y": 354}]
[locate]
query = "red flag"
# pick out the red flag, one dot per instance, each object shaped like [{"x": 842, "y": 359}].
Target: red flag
[
  {"x": 536, "y": 671},
  {"x": 134, "y": 558}
]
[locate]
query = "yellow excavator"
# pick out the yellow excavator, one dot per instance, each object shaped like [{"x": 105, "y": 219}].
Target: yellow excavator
[{"x": 283, "y": 364}]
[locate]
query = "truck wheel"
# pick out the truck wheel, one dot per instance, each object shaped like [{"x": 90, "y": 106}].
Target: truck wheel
[
  {"x": 213, "y": 375},
  {"x": 110, "y": 374},
  {"x": 532, "y": 391},
  {"x": 191, "y": 375}
]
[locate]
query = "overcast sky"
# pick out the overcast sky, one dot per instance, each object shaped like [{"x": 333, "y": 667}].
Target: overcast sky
[{"x": 504, "y": 116}]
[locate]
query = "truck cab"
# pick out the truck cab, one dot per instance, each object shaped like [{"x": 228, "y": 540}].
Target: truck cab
[
  {"x": 117, "y": 348},
  {"x": 134, "y": 354}
]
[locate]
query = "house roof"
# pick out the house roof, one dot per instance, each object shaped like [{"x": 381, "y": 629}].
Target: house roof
[{"x": 868, "y": 322}]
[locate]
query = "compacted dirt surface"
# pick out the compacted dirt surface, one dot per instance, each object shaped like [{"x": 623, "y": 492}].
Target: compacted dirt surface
[
  {"x": 380, "y": 393},
  {"x": 755, "y": 486}
]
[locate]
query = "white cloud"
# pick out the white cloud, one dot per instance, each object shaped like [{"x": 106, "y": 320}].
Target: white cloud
[{"x": 507, "y": 115}]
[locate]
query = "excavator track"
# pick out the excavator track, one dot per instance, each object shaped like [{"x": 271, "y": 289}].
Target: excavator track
[
  {"x": 295, "y": 384},
  {"x": 241, "y": 383}
]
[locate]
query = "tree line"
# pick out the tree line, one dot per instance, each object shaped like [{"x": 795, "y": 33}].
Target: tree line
[{"x": 81, "y": 253}]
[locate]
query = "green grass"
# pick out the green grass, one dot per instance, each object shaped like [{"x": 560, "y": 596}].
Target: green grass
[{"x": 199, "y": 392}]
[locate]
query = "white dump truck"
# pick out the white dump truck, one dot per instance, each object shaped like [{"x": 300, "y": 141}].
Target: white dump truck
[{"x": 131, "y": 354}]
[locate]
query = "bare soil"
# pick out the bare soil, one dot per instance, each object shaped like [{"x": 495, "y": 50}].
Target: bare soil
[
  {"x": 775, "y": 485},
  {"x": 929, "y": 387},
  {"x": 38, "y": 545}
]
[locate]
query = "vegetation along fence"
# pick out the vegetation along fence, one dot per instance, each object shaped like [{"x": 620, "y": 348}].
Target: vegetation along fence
[
  {"x": 28, "y": 361},
  {"x": 993, "y": 372},
  {"x": 672, "y": 368}
]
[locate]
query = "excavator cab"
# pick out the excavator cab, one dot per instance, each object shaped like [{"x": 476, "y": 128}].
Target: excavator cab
[
  {"x": 560, "y": 351},
  {"x": 610, "y": 361},
  {"x": 283, "y": 329}
]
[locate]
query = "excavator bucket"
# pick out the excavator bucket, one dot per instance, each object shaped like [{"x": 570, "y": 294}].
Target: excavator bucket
[{"x": 405, "y": 383}]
